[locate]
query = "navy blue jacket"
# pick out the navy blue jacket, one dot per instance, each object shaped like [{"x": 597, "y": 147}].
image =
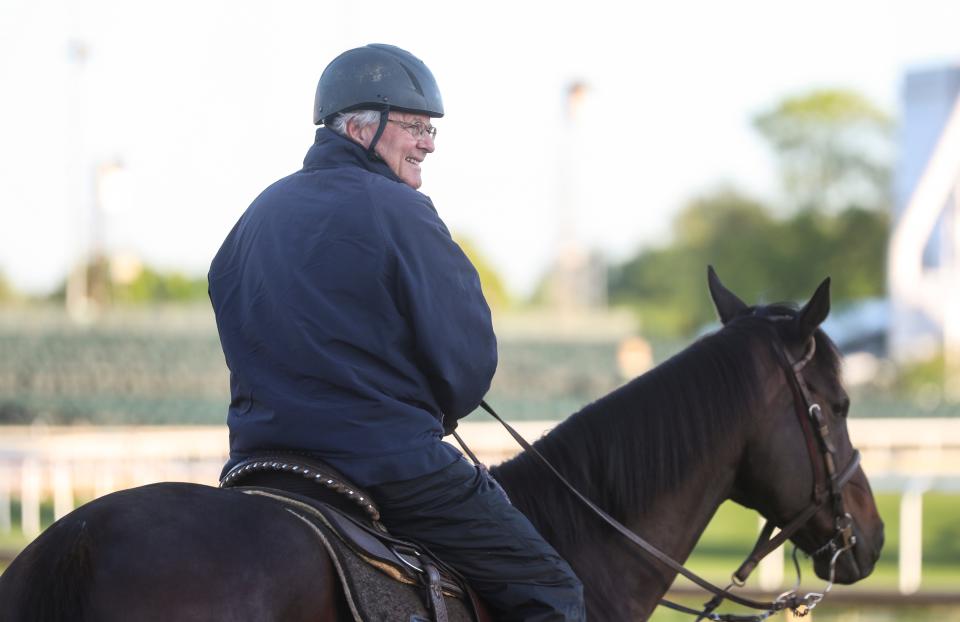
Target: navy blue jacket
[{"x": 351, "y": 322}]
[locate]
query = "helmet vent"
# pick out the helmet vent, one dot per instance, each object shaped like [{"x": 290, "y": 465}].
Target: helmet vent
[{"x": 413, "y": 80}]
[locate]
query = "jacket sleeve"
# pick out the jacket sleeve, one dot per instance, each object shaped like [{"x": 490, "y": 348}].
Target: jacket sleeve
[{"x": 438, "y": 291}]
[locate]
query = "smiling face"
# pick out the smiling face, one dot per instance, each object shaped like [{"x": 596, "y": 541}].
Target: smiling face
[{"x": 402, "y": 151}]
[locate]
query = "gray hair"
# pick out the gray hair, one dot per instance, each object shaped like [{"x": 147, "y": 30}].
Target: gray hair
[{"x": 362, "y": 118}]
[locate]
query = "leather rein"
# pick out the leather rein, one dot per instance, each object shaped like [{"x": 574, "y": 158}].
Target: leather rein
[{"x": 828, "y": 485}]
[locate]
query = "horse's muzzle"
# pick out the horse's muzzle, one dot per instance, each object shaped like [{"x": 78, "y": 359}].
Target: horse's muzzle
[{"x": 854, "y": 564}]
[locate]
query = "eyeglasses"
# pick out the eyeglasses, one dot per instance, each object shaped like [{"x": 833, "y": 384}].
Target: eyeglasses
[{"x": 417, "y": 130}]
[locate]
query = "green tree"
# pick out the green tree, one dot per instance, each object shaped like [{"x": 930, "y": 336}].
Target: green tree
[
  {"x": 149, "y": 286},
  {"x": 154, "y": 286},
  {"x": 493, "y": 288},
  {"x": 761, "y": 257},
  {"x": 859, "y": 249},
  {"x": 834, "y": 149},
  {"x": 7, "y": 293},
  {"x": 724, "y": 228}
]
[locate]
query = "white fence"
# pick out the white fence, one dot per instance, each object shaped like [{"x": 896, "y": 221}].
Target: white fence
[{"x": 71, "y": 465}]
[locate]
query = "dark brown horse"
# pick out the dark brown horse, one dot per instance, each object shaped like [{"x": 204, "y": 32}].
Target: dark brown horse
[{"x": 717, "y": 421}]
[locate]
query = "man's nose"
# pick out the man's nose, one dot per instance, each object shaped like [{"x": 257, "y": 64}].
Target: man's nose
[{"x": 426, "y": 143}]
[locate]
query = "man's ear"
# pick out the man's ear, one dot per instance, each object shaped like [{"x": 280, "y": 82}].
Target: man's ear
[{"x": 361, "y": 135}]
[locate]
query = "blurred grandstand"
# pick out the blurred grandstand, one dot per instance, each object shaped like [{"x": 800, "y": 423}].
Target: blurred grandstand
[
  {"x": 158, "y": 366},
  {"x": 164, "y": 365}
]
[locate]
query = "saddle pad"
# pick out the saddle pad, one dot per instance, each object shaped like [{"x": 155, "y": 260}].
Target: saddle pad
[{"x": 377, "y": 592}]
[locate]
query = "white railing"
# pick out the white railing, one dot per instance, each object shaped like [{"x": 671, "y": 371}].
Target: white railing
[{"x": 71, "y": 465}]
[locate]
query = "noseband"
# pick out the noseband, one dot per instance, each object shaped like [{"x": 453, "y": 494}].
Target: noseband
[{"x": 827, "y": 485}]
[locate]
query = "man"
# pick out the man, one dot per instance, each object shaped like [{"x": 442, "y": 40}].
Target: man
[{"x": 355, "y": 330}]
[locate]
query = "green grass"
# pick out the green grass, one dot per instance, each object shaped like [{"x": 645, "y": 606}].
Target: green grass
[
  {"x": 833, "y": 612},
  {"x": 733, "y": 531},
  {"x": 15, "y": 540}
]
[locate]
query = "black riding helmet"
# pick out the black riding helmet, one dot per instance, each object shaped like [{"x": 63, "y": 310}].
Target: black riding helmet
[{"x": 376, "y": 77}]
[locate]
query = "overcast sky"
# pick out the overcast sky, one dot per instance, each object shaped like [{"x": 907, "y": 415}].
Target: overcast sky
[{"x": 205, "y": 102}]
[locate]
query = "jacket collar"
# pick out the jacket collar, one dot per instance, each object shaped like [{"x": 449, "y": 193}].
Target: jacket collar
[{"x": 331, "y": 150}]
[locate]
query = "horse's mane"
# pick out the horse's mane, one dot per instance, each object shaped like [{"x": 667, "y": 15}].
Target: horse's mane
[{"x": 640, "y": 440}]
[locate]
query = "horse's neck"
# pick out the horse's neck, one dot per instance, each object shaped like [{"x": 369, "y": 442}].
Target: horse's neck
[
  {"x": 674, "y": 526},
  {"x": 622, "y": 581}
]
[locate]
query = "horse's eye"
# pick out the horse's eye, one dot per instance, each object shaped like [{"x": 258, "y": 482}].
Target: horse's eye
[{"x": 843, "y": 407}]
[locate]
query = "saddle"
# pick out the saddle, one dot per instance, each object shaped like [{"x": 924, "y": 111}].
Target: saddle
[{"x": 383, "y": 577}]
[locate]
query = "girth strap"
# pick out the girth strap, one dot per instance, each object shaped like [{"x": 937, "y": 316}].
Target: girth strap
[{"x": 438, "y": 608}]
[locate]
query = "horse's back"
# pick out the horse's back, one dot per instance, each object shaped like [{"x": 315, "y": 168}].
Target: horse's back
[{"x": 172, "y": 551}]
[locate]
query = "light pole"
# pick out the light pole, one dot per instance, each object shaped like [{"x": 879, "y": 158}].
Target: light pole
[{"x": 77, "y": 291}]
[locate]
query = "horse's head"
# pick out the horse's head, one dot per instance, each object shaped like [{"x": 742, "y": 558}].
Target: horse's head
[{"x": 799, "y": 468}]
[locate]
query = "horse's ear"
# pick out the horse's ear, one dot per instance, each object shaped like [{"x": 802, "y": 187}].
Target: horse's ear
[
  {"x": 815, "y": 311},
  {"x": 725, "y": 301}
]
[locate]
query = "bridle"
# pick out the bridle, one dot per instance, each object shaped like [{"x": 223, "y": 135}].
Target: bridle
[
  {"x": 828, "y": 483},
  {"x": 827, "y": 487}
]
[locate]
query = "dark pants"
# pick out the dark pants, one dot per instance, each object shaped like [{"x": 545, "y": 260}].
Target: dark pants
[{"x": 461, "y": 515}]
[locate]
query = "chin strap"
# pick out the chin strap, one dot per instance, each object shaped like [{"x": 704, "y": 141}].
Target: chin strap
[{"x": 384, "y": 115}]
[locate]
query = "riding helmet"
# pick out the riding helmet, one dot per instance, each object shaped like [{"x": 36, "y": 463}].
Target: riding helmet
[{"x": 376, "y": 77}]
